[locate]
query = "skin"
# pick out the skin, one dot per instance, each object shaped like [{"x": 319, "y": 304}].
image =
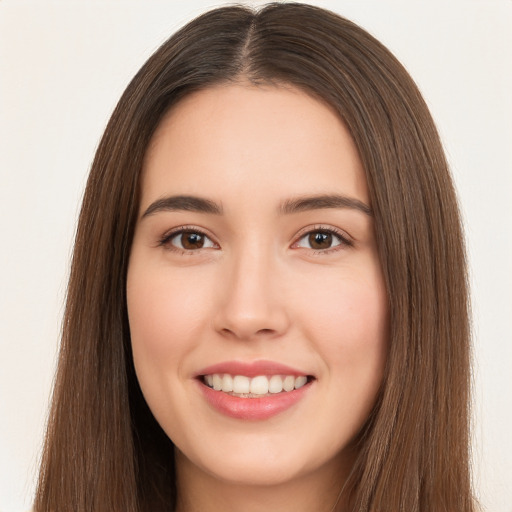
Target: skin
[{"x": 257, "y": 289}]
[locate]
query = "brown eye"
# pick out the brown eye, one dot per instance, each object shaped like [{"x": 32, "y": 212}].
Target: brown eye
[
  {"x": 189, "y": 240},
  {"x": 320, "y": 240}
]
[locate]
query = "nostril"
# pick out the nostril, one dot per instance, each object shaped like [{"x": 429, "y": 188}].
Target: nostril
[
  {"x": 265, "y": 331},
  {"x": 240, "y": 334}
]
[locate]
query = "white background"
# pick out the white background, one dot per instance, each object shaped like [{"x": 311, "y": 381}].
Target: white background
[{"x": 63, "y": 65}]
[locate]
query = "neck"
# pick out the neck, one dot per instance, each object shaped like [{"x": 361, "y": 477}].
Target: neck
[{"x": 321, "y": 491}]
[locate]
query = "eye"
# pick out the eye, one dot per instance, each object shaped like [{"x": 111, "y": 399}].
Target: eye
[
  {"x": 322, "y": 240},
  {"x": 188, "y": 240}
]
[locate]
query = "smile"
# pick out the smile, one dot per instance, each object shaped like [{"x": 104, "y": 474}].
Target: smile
[
  {"x": 243, "y": 386},
  {"x": 253, "y": 390}
]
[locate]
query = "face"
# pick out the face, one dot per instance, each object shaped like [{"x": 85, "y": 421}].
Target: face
[{"x": 257, "y": 309}]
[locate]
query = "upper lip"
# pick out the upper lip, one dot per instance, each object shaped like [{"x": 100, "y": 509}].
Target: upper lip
[{"x": 251, "y": 368}]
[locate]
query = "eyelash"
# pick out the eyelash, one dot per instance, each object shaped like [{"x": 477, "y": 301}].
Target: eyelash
[
  {"x": 345, "y": 241},
  {"x": 166, "y": 239}
]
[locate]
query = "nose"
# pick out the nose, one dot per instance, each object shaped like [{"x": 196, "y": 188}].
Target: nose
[{"x": 250, "y": 299}]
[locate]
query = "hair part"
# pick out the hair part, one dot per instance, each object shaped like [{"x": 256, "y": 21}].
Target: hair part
[{"x": 104, "y": 450}]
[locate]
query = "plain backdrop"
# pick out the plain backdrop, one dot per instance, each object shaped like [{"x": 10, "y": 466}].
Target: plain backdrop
[{"x": 63, "y": 66}]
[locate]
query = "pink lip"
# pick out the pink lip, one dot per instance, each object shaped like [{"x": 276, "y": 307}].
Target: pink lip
[
  {"x": 251, "y": 369},
  {"x": 252, "y": 408}
]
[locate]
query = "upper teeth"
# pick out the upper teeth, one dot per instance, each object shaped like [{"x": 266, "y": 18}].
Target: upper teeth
[{"x": 260, "y": 385}]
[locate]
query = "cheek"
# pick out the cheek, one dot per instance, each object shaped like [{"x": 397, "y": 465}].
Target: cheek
[
  {"x": 349, "y": 323},
  {"x": 163, "y": 312},
  {"x": 352, "y": 309}
]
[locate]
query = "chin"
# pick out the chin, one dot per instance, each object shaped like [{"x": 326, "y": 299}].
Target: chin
[
  {"x": 261, "y": 461},
  {"x": 255, "y": 472}
]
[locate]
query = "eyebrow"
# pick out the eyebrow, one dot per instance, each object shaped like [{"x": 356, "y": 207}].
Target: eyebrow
[
  {"x": 183, "y": 203},
  {"x": 324, "y": 201},
  {"x": 301, "y": 204}
]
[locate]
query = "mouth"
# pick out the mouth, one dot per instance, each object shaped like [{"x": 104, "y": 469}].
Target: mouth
[
  {"x": 259, "y": 386},
  {"x": 254, "y": 391}
]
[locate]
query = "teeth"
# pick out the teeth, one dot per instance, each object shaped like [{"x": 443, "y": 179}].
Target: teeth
[
  {"x": 241, "y": 384},
  {"x": 217, "y": 382},
  {"x": 289, "y": 383},
  {"x": 275, "y": 384},
  {"x": 300, "y": 381},
  {"x": 227, "y": 383},
  {"x": 260, "y": 385}
]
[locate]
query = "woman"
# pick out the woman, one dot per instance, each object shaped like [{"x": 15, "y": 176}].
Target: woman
[{"x": 267, "y": 305}]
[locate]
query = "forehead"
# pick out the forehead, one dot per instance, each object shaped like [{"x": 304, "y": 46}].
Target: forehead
[{"x": 273, "y": 139}]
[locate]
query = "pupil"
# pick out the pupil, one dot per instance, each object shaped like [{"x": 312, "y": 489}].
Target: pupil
[
  {"x": 320, "y": 240},
  {"x": 192, "y": 240}
]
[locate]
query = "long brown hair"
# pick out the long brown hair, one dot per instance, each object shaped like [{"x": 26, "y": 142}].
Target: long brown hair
[{"x": 104, "y": 450}]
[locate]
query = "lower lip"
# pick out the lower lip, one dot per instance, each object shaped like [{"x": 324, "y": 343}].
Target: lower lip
[{"x": 253, "y": 408}]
